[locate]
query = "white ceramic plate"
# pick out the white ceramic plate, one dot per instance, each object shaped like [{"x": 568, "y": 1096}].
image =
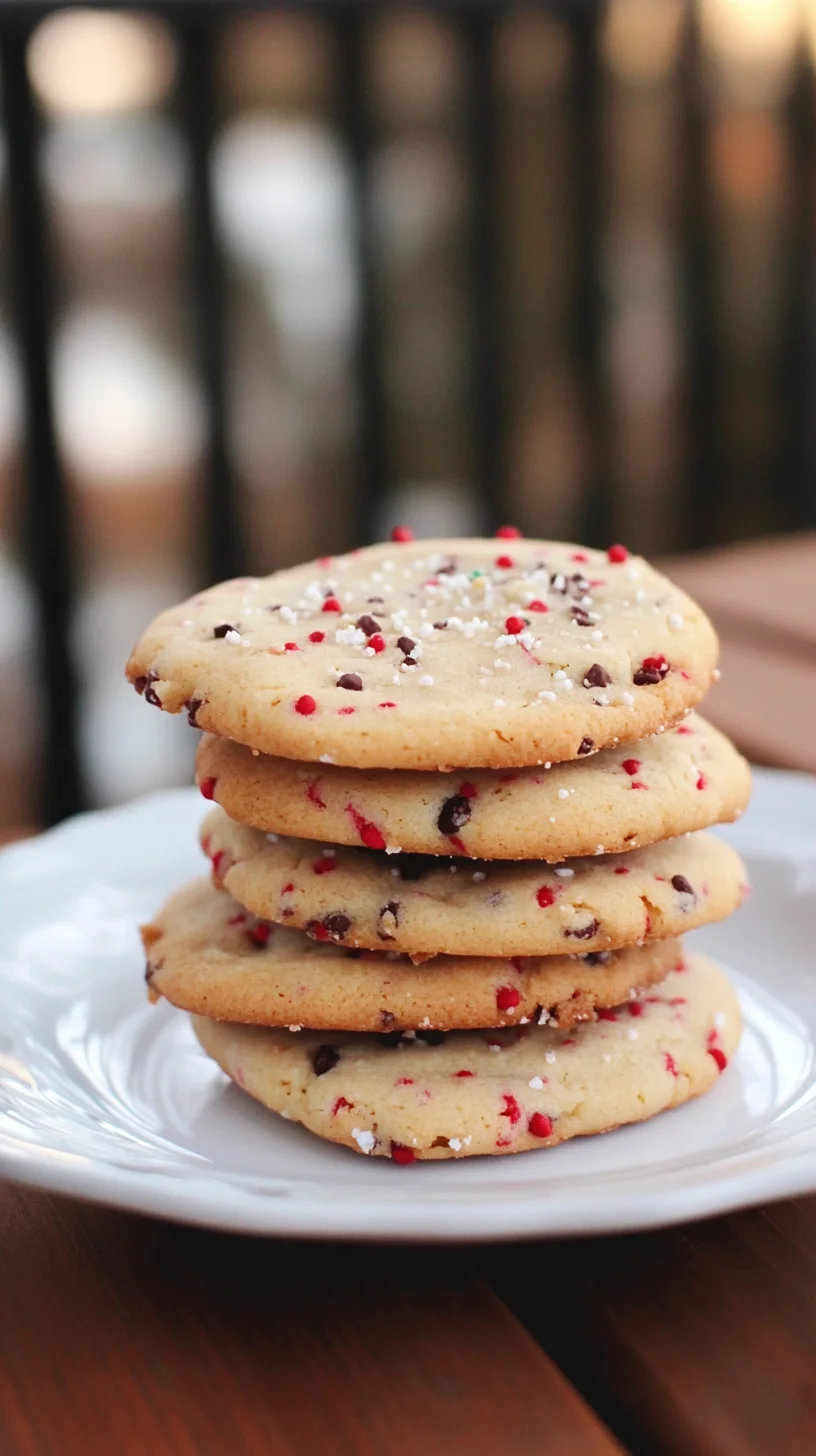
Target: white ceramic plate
[{"x": 108, "y": 1098}]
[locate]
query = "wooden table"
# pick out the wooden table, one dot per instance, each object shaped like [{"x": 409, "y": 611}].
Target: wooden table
[{"x": 124, "y": 1335}]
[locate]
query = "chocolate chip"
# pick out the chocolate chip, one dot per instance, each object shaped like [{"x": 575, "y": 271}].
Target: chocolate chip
[
  {"x": 440, "y": 626},
  {"x": 192, "y": 705},
  {"x": 151, "y": 696},
  {"x": 454, "y": 814},
  {"x": 388, "y": 1038},
  {"x": 406, "y": 644},
  {"x": 336, "y": 924},
  {"x": 274, "y": 607},
  {"x": 681, "y": 884},
  {"x": 409, "y": 662},
  {"x": 375, "y": 599},
  {"x": 647, "y": 675},
  {"x": 140, "y": 683},
  {"x": 431, "y": 1038},
  {"x": 224, "y": 628},
  {"x": 585, "y": 932},
  {"x": 352, "y": 681},
  {"x": 581, "y": 616},
  {"x": 324, "y": 1058},
  {"x": 585, "y": 746},
  {"x": 148, "y": 972},
  {"x": 368, "y": 625},
  {"x": 578, "y": 586},
  {"x": 597, "y": 677},
  {"x": 447, "y": 568},
  {"x": 388, "y": 920}
]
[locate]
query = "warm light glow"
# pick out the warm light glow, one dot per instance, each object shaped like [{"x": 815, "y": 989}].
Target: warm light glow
[
  {"x": 93, "y": 60},
  {"x": 752, "y": 43},
  {"x": 640, "y": 39}
]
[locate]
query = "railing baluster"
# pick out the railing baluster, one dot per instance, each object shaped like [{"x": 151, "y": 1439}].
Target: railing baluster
[
  {"x": 45, "y": 508},
  {"x": 485, "y": 335},
  {"x": 372, "y": 463},
  {"x": 198, "y": 42},
  {"x": 588, "y": 314}
]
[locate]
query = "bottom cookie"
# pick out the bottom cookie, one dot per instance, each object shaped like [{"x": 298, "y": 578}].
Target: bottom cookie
[{"x": 491, "y": 1092}]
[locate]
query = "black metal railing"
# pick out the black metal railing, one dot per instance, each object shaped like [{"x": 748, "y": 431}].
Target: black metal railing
[{"x": 197, "y": 30}]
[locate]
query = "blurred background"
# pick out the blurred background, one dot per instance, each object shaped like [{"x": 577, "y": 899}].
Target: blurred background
[{"x": 271, "y": 280}]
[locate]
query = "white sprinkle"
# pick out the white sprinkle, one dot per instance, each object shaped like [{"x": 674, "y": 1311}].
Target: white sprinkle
[
  {"x": 640, "y": 596},
  {"x": 287, "y": 615},
  {"x": 567, "y": 684},
  {"x": 393, "y": 849},
  {"x": 597, "y": 635},
  {"x": 427, "y": 629},
  {"x": 407, "y": 667},
  {"x": 479, "y": 875},
  {"x": 564, "y": 872},
  {"x": 544, "y": 1018},
  {"x": 426, "y": 681},
  {"x": 498, "y": 702},
  {"x": 232, "y": 636},
  {"x": 326, "y": 758},
  {"x": 273, "y": 838},
  {"x": 494, "y": 1046},
  {"x": 552, "y": 818},
  {"x": 563, "y": 793},
  {"x": 549, "y": 1057},
  {"x": 720, "y": 1019},
  {"x": 188, "y": 622},
  {"x": 364, "y": 1139},
  {"x": 599, "y": 849},
  {"x": 455, "y": 1143},
  {"x": 550, "y": 697},
  {"x": 396, "y": 679},
  {"x": 350, "y": 636},
  {"x": 676, "y": 621},
  {"x": 628, "y": 699},
  {"x": 296, "y": 1026},
  {"x": 536, "y": 1084},
  {"x": 632, "y": 1033},
  {"x": 606, "y": 1057},
  {"x": 560, "y": 675},
  {"x": 500, "y": 663}
]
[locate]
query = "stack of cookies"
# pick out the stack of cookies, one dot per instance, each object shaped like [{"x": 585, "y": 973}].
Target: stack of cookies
[{"x": 458, "y": 791}]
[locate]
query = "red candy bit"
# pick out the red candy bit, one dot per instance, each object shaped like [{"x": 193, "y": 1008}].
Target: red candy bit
[
  {"x": 503, "y": 1142},
  {"x": 540, "y": 1125},
  {"x": 457, "y": 844},
  {"x": 287, "y": 889},
  {"x": 579, "y": 556},
  {"x": 402, "y": 534},
  {"x": 341, "y": 1102},
  {"x": 238, "y": 918},
  {"x": 377, "y": 642},
  {"x": 370, "y": 835},
  {"x": 670, "y": 1063},
  {"x": 305, "y": 705},
  {"x": 635, "y": 1008},
  {"x": 291, "y": 647},
  {"x": 218, "y": 860},
  {"x": 331, "y": 604},
  {"x": 323, "y": 866},
  {"x": 537, "y": 606},
  {"x": 324, "y": 562},
  {"x": 468, "y": 791},
  {"x": 621, "y": 870},
  {"x": 678, "y": 1000},
  {"x": 259, "y": 935},
  {"x": 702, "y": 782},
  {"x": 636, "y": 784},
  {"x": 313, "y": 796},
  {"x": 207, "y": 788},
  {"x": 545, "y": 896},
  {"x": 401, "y": 1154},
  {"x": 386, "y": 705},
  {"x": 507, "y": 997},
  {"x": 344, "y": 712},
  {"x": 317, "y": 636},
  {"x": 508, "y": 533},
  {"x": 404, "y": 1082},
  {"x": 517, "y": 962},
  {"x": 464, "y": 1073},
  {"x": 605, "y": 1013},
  {"x": 719, "y": 1057},
  {"x": 512, "y": 1111},
  {"x": 617, "y": 554},
  {"x": 631, "y": 766},
  {"x": 514, "y": 625},
  {"x": 687, "y": 732},
  {"x": 504, "y": 562}
]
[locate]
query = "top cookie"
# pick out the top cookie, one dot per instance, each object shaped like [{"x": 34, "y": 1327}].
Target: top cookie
[{"x": 433, "y": 655}]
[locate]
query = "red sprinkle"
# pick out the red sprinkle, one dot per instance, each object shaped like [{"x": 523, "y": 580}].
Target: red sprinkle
[
  {"x": 636, "y": 784},
  {"x": 400, "y": 1154},
  {"x": 217, "y": 861},
  {"x": 402, "y": 534},
  {"x": 514, "y": 625},
  {"x": 545, "y": 897},
  {"x": 259, "y": 934},
  {"x": 468, "y": 791},
  {"x": 540, "y": 1125},
  {"x": 341, "y": 1102},
  {"x": 719, "y": 1057},
  {"x": 313, "y": 796},
  {"x": 457, "y": 844},
  {"x": 678, "y": 1000},
  {"x": 687, "y": 732},
  {"x": 579, "y": 556},
  {"x": 635, "y": 1008},
  {"x": 370, "y": 835},
  {"x": 405, "y": 1082},
  {"x": 671, "y": 1065},
  {"x": 702, "y": 782},
  {"x": 655, "y": 664},
  {"x": 324, "y": 562},
  {"x": 631, "y": 766},
  {"x": 238, "y": 918},
  {"x": 618, "y": 553},
  {"x": 377, "y": 641},
  {"x": 331, "y": 604},
  {"x": 621, "y": 870},
  {"x": 325, "y": 866},
  {"x": 605, "y": 1013},
  {"x": 511, "y": 1108},
  {"x": 291, "y": 647},
  {"x": 287, "y": 889},
  {"x": 507, "y": 997},
  {"x": 537, "y": 606},
  {"x": 464, "y": 1073},
  {"x": 508, "y": 533},
  {"x": 344, "y": 712},
  {"x": 207, "y": 788},
  {"x": 386, "y": 705},
  {"x": 505, "y": 562},
  {"x": 317, "y": 636},
  {"x": 305, "y": 705}
]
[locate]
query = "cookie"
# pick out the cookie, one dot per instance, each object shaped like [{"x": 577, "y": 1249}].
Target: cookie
[
  {"x": 426, "y": 905},
  {"x": 208, "y": 956},
  {"x": 434, "y": 654},
  {"x": 501, "y": 1092},
  {"x": 686, "y": 778}
]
